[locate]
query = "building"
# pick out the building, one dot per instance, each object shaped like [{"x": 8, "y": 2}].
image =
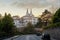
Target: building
[
  {"x": 17, "y": 21},
  {"x": 29, "y": 17},
  {"x": 22, "y": 22}
]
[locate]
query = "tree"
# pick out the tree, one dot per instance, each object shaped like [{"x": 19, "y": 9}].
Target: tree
[
  {"x": 29, "y": 28},
  {"x": 8, "y": 24},
  {"x": 55, "y": 20},
  {"x": 39, "y": 23},
  {"x": 0, "y": 16},
  {"x": 0, "y": 25},
  {"x": 56, "y": 17},
  {"x": 0, "y": 22}
]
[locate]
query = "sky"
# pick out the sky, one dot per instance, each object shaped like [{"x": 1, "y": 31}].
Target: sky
[{"x": 19, "y": 7}]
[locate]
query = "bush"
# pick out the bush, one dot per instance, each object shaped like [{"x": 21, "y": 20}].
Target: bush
[{"x": 52, "y": 26}]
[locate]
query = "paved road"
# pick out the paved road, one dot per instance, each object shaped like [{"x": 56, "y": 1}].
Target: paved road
[{"x": 26, "y": 37}]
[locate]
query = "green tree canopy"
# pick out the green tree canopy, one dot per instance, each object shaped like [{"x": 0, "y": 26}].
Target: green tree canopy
[
  {"x": 55, "y": 20},
  {"x": 56, "y": 17},
  {"x": 29, "y": 28},
  {"x": 39, "y": 23},
  {"x": 8, "y": 24},
  {"x": 0, "y": 25}
]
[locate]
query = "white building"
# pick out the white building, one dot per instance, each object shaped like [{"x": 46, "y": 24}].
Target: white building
[
  {"x": 17, "y": 21},
  {"x": 29, "y": 17}
]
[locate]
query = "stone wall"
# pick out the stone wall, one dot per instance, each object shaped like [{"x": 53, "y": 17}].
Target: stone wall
[{"x": 54, "y": 32}]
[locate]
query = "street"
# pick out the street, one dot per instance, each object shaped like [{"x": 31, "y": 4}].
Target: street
[{"x": 25, "y": 37}]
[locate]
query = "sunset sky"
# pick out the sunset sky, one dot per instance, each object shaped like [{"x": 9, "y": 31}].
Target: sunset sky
[{"x": 19, "y": 7}]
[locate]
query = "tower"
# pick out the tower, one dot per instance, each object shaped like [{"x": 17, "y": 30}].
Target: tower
[
  {"x": 31, "y": 12},
  {"x": 27, "y": 13}
]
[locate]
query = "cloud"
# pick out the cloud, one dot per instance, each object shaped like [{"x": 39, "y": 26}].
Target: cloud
[
  {"x": 51, "y": 0},
  {"x": 31, "y": 3}
]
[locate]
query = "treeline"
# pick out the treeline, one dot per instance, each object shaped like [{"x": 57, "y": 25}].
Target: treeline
[{"x": 7, "y": 27}]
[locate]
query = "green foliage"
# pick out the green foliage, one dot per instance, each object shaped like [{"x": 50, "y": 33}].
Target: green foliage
[
  {"x": 0, "y": 25},
  {"x": 55, "y": 25},
  {"x": 29, "y": 28},
  {"x": 56, "y": 17},
  {"x": 55, "y": 20},
  {"x": 7, "y": 23},
  {"x": 7, "y": 26},
  {"x": 39, "y": 23}
]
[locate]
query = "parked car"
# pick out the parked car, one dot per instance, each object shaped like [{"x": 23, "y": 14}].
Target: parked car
[
  {"x": 46, "y": 36},
  {"x": 38, "y": 34}
]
